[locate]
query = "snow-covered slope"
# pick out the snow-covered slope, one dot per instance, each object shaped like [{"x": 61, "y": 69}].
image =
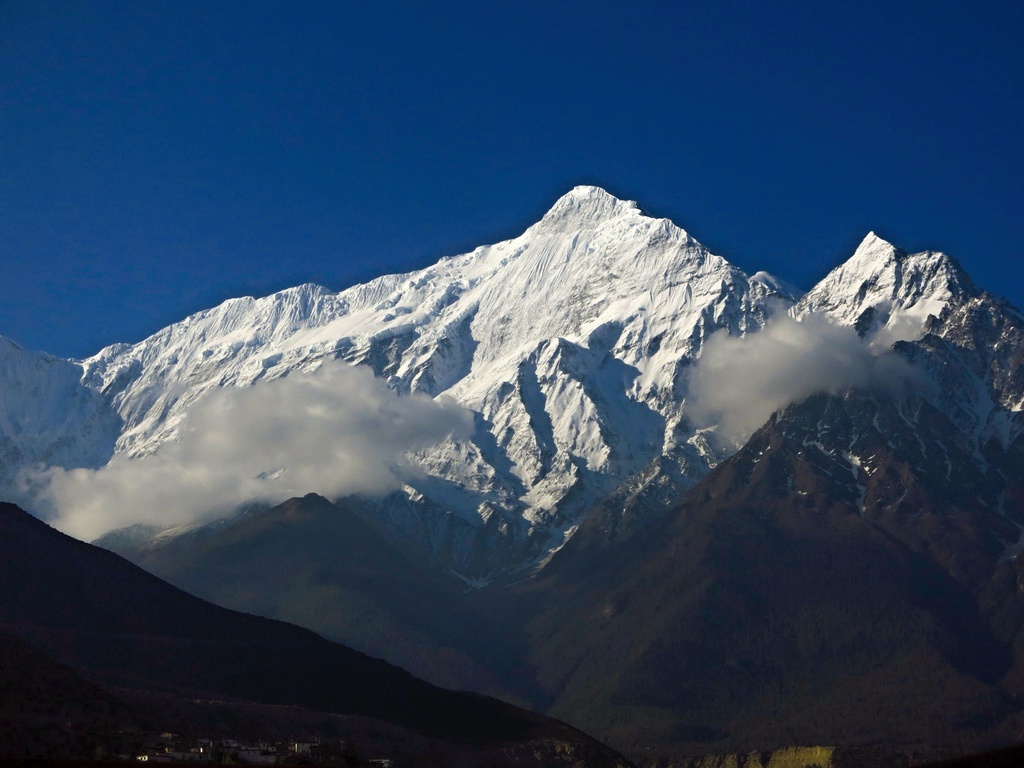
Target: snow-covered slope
[
  {"x": 48, "y": 417},
  {"x": 571, "y": 343}
]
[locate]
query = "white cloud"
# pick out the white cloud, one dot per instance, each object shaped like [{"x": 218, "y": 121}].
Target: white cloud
[
  {"x": 336, "y": 431},
  {"x": 740, "y": 381}
]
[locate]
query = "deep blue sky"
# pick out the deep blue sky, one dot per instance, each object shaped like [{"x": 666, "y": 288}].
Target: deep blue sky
[{"x": 159, "y": 157}]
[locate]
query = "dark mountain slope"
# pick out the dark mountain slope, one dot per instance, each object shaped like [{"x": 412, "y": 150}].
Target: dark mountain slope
[
  {"x": 830, "y": 583},
  {"x": 38, "y": 700},
  {"x": 95, "y": 611},
  {"x": 32, "y": 683},
  {"x": 317, "y": 564}
]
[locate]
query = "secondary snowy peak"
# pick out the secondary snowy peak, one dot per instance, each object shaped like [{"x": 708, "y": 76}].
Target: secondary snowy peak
[
  {"x": 966, "y": 341},
  {"x": 885, "y": 293}
]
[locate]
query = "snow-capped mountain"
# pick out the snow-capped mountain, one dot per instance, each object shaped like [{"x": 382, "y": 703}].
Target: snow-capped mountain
[{"x": 571, "y": 343}]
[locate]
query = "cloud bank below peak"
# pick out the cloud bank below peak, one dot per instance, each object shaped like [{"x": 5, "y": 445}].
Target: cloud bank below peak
[
  {"x": 739, "y": 382},
  {"x": 336, "y": 431}
]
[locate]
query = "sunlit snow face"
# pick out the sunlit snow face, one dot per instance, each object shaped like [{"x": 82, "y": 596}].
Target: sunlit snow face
[
  {"x": 740, "y": 381},
  {"x": 336, "y": 431}
]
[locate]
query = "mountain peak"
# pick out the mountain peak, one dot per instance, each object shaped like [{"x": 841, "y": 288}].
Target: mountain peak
[
  {"x": 585, "y": 203},
  {"x": 874, "y": 250},
  {"x": 882, "y": 286}
]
